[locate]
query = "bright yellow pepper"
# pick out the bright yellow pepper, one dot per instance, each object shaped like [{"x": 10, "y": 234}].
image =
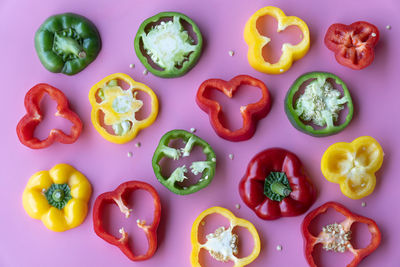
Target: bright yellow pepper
[
  {"x": 256, "y": 41},
  {"x": 58, "y": 197},
  {"x": 222, "y": 245},
  {"x": 353, "y": 166},
  {"x": 114, "y": 109}
]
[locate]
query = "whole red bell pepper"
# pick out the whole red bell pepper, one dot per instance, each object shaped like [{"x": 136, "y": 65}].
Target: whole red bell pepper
[
  {"x": 118, "y": 197},
  {"x": 337, "y": 236},
  {"x": 251, "y": 113},
  {"x": 353, "y": 44},
  {"x": 27, "y": 125},
  {"x": 276, "y": 185}
]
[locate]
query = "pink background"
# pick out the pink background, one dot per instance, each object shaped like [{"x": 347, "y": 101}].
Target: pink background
[{"x": 375, "y": 92}]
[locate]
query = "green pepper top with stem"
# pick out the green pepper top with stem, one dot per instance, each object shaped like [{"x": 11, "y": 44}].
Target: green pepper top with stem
[
  {"x": 319, "y": 104},
  {"x": 206, "y": 167},
  {"x": 67, "y": 43}
]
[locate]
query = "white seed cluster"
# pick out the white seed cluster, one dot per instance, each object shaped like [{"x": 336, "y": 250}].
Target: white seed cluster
[
  {"x": 231, "y": 53},
  {"x": 339, "y": 239},
  {"x": 233, "y": 243},
  {"x": 231, "y": 156}
]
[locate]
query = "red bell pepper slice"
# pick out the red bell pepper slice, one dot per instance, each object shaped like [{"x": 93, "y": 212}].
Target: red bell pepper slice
[
  {"x": 341, "y": 241},
  {"x": 276, "y": 185},
  {"x": 251, "y": 113},
  {"x": 118, "y": 197},
  {"x": 27, "y": 125},
  {"x": 353, "y": 44}
]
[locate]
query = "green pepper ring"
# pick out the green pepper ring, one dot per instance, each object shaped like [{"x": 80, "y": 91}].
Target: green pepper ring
[
  {"x": 207, "y": 150},
  {"x": 187, "y": 65},
  {"x": 308, "y": 129},
  {"x": 44, "y": 42}
]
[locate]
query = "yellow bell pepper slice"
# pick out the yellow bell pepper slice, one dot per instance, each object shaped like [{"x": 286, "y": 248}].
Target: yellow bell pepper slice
[
  {"x": 353, "y": 166},
  {"x": 58, "y": 197},
  {"x": 119, "y": 107},
  {"x": 222, "y": 245},
  {"x": 256, "y": 41}
]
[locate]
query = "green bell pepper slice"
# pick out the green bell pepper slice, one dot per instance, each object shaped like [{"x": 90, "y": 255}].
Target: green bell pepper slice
[
  {"x": 206, "y": 168},
  {"x": 165, "y": 48},
  {"x": 319, "y": 104},
  {"x": 67, "y": 43}
]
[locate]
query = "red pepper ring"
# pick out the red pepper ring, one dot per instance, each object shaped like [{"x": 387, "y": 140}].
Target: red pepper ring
[
  {"x": 118, "y": 197},
  {"x": 310, "y": 241},
  {"x": 251, "y": 113},
  {"x": 27, "y": 125}
]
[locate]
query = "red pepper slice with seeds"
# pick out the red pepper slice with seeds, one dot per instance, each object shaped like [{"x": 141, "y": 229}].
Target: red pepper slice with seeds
[
  {"x": 336, "y": 237},
  {"x": 118, "y": 197},
  {"x": 353, "y": 44},
  {"x": 251, "y": 113},
  {"x": 27, "y": 125}
]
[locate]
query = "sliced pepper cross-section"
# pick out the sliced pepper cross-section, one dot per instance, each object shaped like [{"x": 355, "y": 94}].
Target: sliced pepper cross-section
[
  {"x": 223, "y": 243},
  {"x": 206, "y": 168},
  {"x": 165, "y": 47},
  {"x": 251, "y": 113},
  {"x": 317, "y": 110},
  {"x": 119, "y": 108},
  {"x": 337, "y": 236},
  {"x": 119, "y": 197},
  {"x": 256, "y": 41}
]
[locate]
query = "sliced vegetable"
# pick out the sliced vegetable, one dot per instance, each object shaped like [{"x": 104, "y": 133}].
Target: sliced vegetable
[
  {"x": 162, "y": 41},
  {"x": 251, "y": 113},
  {"x": 67, "y": 43},
  {"x": 206, "y": 168},
  {"x": 119, "y": 107},
  {"x": 256, "y": 41},
  {"x": 320, "y": 104},
  {"x": 353, "y": 166},
  {"x": 27, "y": 125},
  {"x": 223, "y": 243},
  {"x": 337, "y": 236},
  {"x": 276, "y": 185},
  {"x": 119, "y": 197},
  {"x": 353, "y": 44},
  {"x": 58, "y": 197}
]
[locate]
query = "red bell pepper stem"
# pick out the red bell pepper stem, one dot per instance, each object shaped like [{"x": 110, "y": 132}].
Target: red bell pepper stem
[
  {"x": 27, "y": 125},
  {"x": 251, "y": 113},
  {"x": 310, "y": 241},
  {"x": 118, "y": 197}
]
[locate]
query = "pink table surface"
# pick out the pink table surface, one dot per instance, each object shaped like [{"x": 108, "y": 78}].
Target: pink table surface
[{"x": 375, "y": 92}]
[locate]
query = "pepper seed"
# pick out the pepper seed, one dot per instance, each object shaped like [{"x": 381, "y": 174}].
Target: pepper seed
[
  {"x": 231, "y": 53},
  {"x": 279, "y": 247},
  {"x": 131, "y": 66},
  {"x": 129, "y": 154}
]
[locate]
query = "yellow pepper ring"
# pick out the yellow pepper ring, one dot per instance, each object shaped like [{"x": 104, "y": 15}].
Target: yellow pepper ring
[
  {"x": 256, "y": 41},
  {"x": 353, "y": 166},
  {"x": 235, "y": 221},
  {"x": 116, "y": 116},
  {"x": 73, "y": 212}
]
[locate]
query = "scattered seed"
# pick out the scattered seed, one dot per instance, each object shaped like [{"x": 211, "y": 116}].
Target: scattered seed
[
  {"x": 131, "y": 66},
  {"x": 44, "y": 190},
  {"x": 138, "y": 221},
  {"x": 281, "y": 70},
  {"x": 279, "y": 247},
  {"x": 213, "y": 159},
  {"x": 373, "y": 34},
  {"x": 184, "y": 187},
  {"x": 363, "y": 204},
  {"x": 388, "y": 27},
  {"x": 145, "y": 72},
  {"x": 129, "y": 154},
  {"x": 231, "y": 53},
  {"x": 138, "y": 144},
  {"x": 237, "y": 206},
  {"x": 193, "y": 130},
  {"x": 231, "y": 156}
]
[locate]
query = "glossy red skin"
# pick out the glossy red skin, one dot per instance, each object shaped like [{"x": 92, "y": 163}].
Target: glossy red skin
[
  {"x": 251, "y": 187},
  {"x": 122, "y": 192},
  {"x": 251, "y": 113},
  {"x": 352, "y": 44},
  {"x": 27, "y": 125},
  {"x": 311, "y": 241}
]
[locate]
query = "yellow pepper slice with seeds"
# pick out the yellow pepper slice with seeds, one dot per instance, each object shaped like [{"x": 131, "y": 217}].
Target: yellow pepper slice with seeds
[
  {"x": 353, "y": 166},
  {"x": 223, "y": 243},
  {"x": 58, "y": 197},
  {"x": 256, "y": 41},
  {"x": 114, "y": 109}
]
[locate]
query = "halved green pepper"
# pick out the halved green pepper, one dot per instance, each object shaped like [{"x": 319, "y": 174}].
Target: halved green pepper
[
  {"x": 206, "y": 168},
  {"x": 67, "y": 43},
  {"x": 165, "y": 47},
  {"x": 320, "y": 104}
]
